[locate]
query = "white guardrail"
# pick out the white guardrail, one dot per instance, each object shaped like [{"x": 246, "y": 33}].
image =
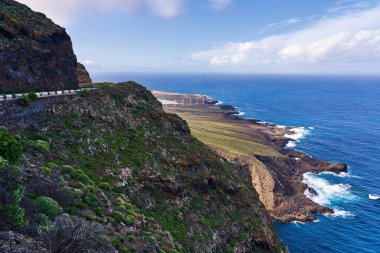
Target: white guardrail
[{"x": 44, "y": 94}]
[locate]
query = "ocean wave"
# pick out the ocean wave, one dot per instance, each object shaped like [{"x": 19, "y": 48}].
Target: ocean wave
[
  {"x": 342, "y": 174},
  {"x": 327, "y": 192},
  {"x": 241, "y": 113},
  {"x": 296, "y": 135},
  {"x": 291, "y": 144},
  {"x": 373, "y": 196},
  {"x": 340, "y": 213},
  {"x": 219, "y": 103}
]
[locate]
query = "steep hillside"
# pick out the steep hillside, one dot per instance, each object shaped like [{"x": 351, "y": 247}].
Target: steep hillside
[
  {"x": 35, "y": 53},
  {"x": 113, "y": 157}
]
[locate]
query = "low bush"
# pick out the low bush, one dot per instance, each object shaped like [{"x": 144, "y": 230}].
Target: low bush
[
  {"x": 77, "y": 235},
  {"x": 47, "y": 206},
  {"x": 13, "y": 212},
  {"x": 24, "y": 101},
  {"x": 67, "y": 169},
  {"x": 10, "y": 148},
  {"x": 46, "y": 170},
  {"x": 42, "y": 146},
  {"x": 32, "y": 96}
]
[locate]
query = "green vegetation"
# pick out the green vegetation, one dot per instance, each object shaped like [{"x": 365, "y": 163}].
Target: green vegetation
[
  {"x": 42, "y": 146},
  {"x": 10, "y": 148},
  {"x": 123, "y": 162},
  {"x": 47, "y": 206},
  {"x": 25, "y": 101},
  {"x": 229, "y": 135},
  {"x": 11, "y": 213}
]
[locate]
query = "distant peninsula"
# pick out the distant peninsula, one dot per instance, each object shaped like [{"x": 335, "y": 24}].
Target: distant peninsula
[{"x": 276, "y": 169}]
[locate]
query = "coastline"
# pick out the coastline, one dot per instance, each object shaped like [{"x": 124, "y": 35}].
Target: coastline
[{"x": 277, "y": 170}]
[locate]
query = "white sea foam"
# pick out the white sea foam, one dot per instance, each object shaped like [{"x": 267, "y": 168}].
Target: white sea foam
[
  {"x": 241, "y": 113},
  {"x": 373, "y": 196},
  {"x": 340, "y": 213},
  {"x": 280, "y": 126},
  {"x": 291, "y": 144},
  {"x": 327, "y": 192},
  {"x": 342, "y": 174},
  {"x": 296, "y": 134},
  {"x": 219, "y": 103}
]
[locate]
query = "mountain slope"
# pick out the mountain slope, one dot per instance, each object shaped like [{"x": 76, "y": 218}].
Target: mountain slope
[{"x": 113, "y": 156}]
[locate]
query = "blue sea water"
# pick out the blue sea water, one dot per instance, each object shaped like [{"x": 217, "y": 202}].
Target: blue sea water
[{"x": 342, "y": 115}]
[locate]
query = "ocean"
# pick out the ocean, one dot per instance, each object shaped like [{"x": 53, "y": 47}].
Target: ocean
[{"x": 339, "y": 120}]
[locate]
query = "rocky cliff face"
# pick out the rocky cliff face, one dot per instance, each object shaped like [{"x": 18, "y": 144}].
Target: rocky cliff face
[
  {"x": 113, "y": 156},
  {"x": 35, "y": 53},
  {"x": 83, "y": 75}
]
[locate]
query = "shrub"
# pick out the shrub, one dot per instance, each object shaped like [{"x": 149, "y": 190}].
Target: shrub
[
  {"x": 46, "y": 170},
  {"x": 10, "y": 148},
  {"x": 105, "y": 186},
  {"x": 48, "y": 206},
  {"x": 42, "y": 146},
  {"x": 80, "y": 185},
  {"x": 13, "y": 212},
  {"x": 130, "y": 220},
  {"x": 84, "y": 178},
  {"x": 44, "y": 223},
  {"x": 97, "y": 210},
  {"x": 90, "y": 198},
  {"x": 67, "y": 169},
  {"x": 3, "y": 163},
  {"x": 24, "y": 101},
  {"x": 77, "y": 235},
  {"x": 32, "y": 96},
  {"x": 83, "y": 93}
]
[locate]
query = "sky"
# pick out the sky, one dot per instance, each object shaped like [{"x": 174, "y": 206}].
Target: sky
[{"x": 222, "y": 36}]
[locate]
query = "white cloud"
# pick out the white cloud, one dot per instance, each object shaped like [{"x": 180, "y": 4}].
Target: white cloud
[
  {"x": 64, "y": 12},
  {"x": 287, "y": 22},
  {"x": 352, "y": 38},
  {"x": 165, "y": 8},
  {"x": 218, "y": 5}
]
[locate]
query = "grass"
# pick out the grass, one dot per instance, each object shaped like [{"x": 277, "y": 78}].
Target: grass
[{"x": 210, "y": 126}]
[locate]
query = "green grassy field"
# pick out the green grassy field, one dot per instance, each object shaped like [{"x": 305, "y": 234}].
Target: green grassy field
[{"x": 209, "y": 125}]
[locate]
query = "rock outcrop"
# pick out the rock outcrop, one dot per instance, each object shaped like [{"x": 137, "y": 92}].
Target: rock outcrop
[
  {"x": 35, "y": 53},
  {"x": 12, "y": 242},
  {"x": 83, "y": 75}
]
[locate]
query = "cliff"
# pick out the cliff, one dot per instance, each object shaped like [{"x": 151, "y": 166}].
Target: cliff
[
  {"x": 35, "y": 53},
  {"x": 125, "y": 169},
  {"x": 276, "y": 171}
]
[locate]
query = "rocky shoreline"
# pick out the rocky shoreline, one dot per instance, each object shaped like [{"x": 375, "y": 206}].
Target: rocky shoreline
[{"x": 277, "y": 178}]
